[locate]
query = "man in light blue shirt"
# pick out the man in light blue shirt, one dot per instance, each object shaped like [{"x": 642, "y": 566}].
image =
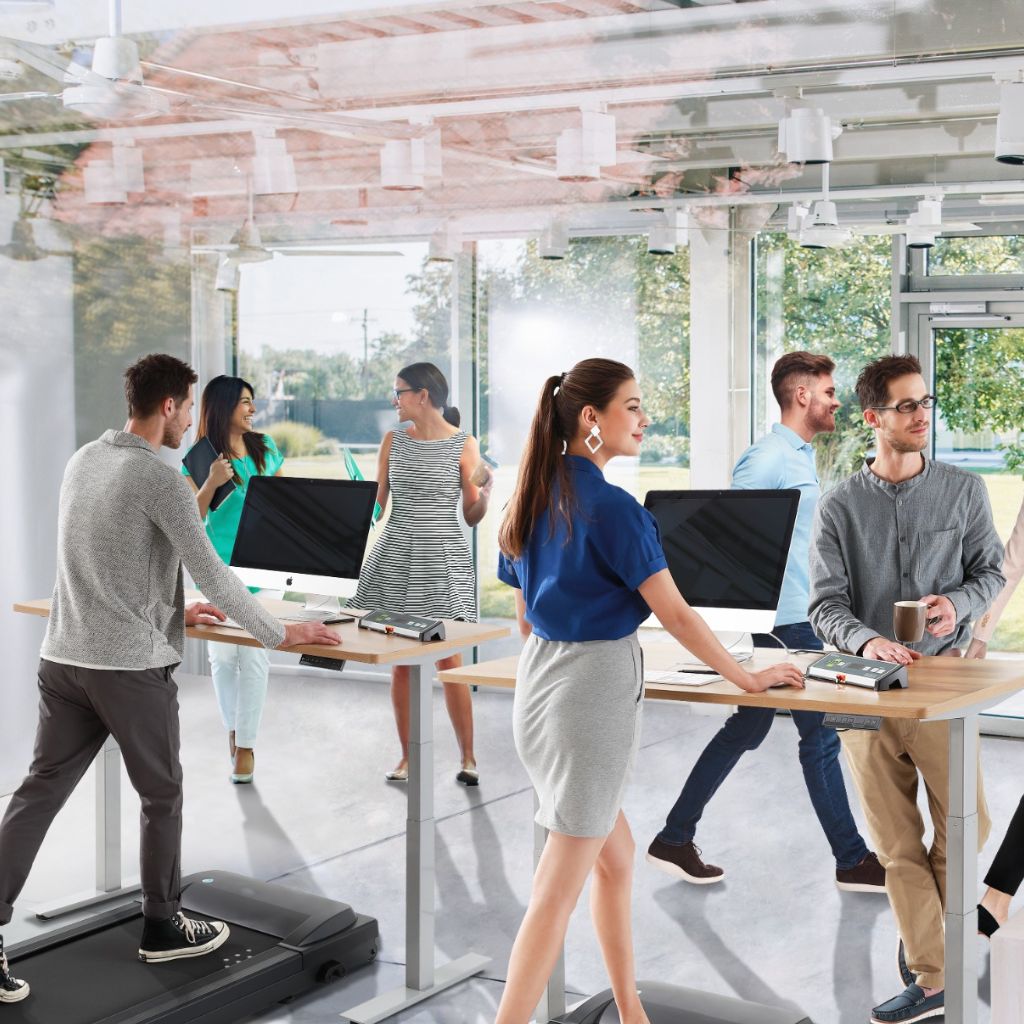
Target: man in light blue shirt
[{"x": 803, "y": 386}]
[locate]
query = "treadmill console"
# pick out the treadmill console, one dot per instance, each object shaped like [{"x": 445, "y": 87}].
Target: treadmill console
[
  {"x": 415, "y": 627},
  {"x": 853, "y": 671}
]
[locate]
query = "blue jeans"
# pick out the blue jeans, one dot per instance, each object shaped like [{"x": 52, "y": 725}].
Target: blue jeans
[{"x": 819, "y": 757}]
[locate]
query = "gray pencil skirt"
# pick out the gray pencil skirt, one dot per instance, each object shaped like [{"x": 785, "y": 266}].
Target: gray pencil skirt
[{"x": 576, "y": 723}]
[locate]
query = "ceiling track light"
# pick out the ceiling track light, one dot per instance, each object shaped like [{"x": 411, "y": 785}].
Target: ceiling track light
[
  {"x": 820, "y": 228},
  {"x": 806, "y": 135},
  {"x": 670, "y": 233},
  {"x": 445, "y": 245},
  {"x": 273, "y": 169},
  {"x": 581, "y": 152},
  {"x": 407, "y": 165},
  {"x": 554, "y": 240},
  {"x": 925, "y": 224},
  {"x": 229, "y": 275},
  {"x": 1010, "y": 123}
]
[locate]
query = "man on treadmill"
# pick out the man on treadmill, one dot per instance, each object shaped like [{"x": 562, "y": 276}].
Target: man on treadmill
[{"x": 127, "y": 522}]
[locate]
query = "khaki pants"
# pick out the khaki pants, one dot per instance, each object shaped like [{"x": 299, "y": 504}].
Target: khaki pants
[{"x": 885, "y": 767}]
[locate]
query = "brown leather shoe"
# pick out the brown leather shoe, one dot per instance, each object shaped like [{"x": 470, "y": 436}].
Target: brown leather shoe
[
  {"x": 683, "y": 862},
  {"x": 867, "y": 876}
]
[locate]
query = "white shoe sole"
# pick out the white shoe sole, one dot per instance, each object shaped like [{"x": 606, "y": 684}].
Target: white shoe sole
[
  {"x": 860, "y": 887},
  {"x": 161, "y": 956},
  {"x": 938, "y": 1011},
  {"x": 675, "y": 871},
  {"x": 16, "y": 996}
]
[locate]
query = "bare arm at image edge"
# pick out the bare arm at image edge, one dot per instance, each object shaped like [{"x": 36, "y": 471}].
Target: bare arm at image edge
[{"x": 1013, "y": 570}]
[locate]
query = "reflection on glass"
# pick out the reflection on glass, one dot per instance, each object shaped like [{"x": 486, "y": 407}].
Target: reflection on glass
[
  {"x": 831, "y": 301},
  {"x": 607, "y": 297}
]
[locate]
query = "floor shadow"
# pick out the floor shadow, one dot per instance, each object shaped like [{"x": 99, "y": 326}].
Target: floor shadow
[
  {"x": 691, "y": 907},
  {"x": 852, "y": 978}
]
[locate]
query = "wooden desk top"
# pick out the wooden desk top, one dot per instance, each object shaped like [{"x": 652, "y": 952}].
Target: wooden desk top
[
  {"x": 362, "y": 645},
  {"x": 939, "y": 687}
]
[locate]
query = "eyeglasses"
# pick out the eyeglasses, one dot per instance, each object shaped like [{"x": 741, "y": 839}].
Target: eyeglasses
[
  {"x": 396, "y": 393},
  {"x": 909, "y": 405}
]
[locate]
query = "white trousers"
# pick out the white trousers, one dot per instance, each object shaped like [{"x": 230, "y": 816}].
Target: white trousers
[{"x": 240, "y": 676}]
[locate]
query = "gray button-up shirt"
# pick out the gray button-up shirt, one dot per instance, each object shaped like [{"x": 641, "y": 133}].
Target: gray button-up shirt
[{"x": 874, "y": 543}]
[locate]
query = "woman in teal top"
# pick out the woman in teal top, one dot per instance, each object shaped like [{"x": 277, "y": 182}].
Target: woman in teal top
[{"x": 240, "y": 674}]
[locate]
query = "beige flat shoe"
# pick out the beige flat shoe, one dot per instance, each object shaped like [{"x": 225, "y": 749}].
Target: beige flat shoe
[{"x": 400, "y": 774}]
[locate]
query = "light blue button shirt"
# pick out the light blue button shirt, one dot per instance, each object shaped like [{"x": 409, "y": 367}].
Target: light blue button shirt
[{"x": 779, "y": 460}]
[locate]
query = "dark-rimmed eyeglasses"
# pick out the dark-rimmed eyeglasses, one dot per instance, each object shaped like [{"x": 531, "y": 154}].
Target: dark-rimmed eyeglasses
[
  {"x": 397, "y": 393},
  {"x": 909, "y": 405}
]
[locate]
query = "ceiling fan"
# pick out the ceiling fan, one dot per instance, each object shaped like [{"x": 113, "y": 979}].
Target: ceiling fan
[{"x": 246, "y": 246}]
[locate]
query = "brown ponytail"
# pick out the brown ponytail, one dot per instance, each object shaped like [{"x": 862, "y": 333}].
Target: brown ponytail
[{"x": 542, "y": 470}]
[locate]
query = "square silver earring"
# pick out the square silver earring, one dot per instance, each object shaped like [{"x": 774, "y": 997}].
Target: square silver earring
[{"x": 594, "y": 440}]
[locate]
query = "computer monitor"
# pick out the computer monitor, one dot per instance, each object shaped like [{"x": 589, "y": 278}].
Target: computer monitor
[
  {"x": 727, "y": 551},
  {"x": 304, "y": 535}
]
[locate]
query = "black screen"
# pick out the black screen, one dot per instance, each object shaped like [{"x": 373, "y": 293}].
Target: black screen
[
  {"x": 726, "y": 549},
  {"x": 312, "y": 527}
]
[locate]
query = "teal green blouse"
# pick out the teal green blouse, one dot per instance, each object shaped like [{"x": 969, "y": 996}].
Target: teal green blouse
[{"x": 222, "y": 523}]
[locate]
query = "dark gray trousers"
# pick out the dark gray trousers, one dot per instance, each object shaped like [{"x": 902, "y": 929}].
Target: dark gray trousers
[{"x": 78, "y": 709}]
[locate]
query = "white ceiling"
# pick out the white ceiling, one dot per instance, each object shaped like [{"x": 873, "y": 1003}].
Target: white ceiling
[{"x": 694, "y": 89}]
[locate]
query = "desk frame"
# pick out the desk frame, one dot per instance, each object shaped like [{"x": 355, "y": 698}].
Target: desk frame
[{"x": 960, "y": 711}]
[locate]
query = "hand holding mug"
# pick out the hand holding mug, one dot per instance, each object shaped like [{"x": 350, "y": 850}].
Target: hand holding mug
[{"x": 941, "y": 615}]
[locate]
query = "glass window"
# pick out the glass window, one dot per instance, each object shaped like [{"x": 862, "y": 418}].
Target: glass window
[
  {"x": 988, "y": 254},
  {"x": 321, "y": 339},
  {"x": 831, "y": 301},
  {"x": 978, "y": 427},
  {"x": 609, "y": 298}
]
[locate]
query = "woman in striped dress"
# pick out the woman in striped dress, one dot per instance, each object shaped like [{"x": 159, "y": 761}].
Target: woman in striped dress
[{"x": 422, "y": 564}]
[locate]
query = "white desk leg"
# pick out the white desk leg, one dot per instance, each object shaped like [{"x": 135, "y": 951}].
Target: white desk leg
[
  {"x": 422, "y": 979},
  {"x": 552, "y": 1003},
  {"x": 108, "y": 840},
  {"x": 962, "y": 873}
]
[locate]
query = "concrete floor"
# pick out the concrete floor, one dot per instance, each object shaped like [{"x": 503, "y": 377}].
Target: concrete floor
[{"x": 321, "y": 818}]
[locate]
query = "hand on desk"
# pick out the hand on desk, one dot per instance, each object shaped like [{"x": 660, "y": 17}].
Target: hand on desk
[
  {"x": 889, "y": 650},
  {"x": 782, "y": 674},
  {"x": 298, "y": 634},
  {"x": 200, "y": 613}
]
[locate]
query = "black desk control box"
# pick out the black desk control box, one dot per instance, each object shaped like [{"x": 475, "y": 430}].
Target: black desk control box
[{"x": 849, "y": 670}]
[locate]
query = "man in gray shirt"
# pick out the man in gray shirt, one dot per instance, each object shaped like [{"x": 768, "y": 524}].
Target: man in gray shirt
[
  {"x": 904, "y": 528},
  {"x": 116, "y": 631}
]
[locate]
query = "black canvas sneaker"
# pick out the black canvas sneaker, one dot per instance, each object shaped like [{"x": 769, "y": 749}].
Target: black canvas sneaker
[
  {"x": 12, "y": 990},
  {"x": 180, "y": 936}
]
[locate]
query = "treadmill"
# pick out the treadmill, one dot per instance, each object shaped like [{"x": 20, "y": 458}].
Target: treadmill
[
  {"x": 672, "y": 1004},
  {"x": 283, "y": 942}
]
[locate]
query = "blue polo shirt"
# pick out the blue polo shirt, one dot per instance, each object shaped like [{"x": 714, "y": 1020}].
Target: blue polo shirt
[
  {"x": 584, "y": 587},
  {"x": 779, "y": 460}
]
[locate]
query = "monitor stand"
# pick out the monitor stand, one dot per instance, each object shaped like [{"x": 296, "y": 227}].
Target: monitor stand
[{"x": 739, "y": 645}]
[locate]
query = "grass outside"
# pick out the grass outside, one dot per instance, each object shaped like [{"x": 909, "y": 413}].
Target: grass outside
[{"x": 1005, "y": 490}]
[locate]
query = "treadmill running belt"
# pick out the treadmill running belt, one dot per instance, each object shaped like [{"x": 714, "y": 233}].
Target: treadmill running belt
[{"x": 100, "y": 975}]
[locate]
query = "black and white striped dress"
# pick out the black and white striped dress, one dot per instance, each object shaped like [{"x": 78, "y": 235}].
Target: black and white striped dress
[{"x": 422, "y": 564}]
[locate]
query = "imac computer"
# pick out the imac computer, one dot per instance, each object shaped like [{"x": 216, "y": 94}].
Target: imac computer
[
  {"x": 727, "y": 551},
  {"x": 304, "y": 535}
]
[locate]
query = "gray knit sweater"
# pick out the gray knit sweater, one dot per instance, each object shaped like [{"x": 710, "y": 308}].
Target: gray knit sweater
[{"x": 126, "y": 524}]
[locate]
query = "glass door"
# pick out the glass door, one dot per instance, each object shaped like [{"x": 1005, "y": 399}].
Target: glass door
[{"x": 976, "y": 366}]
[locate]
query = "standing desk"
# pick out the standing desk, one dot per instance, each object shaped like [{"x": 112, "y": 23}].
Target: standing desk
[
  {"x": 422, "y": 977},
  {"x": 940, "y": 689}
]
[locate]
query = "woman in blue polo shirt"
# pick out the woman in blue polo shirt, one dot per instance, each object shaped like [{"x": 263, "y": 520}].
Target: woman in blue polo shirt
[{"x": 587, "y": 564}]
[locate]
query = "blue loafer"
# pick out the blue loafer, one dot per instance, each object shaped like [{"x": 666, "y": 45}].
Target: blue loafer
[{"x": 909, "y": 1006}]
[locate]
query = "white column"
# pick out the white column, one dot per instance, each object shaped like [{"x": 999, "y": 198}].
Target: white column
[
  {"x": 37, "y": 422},
  {"x": 719, "y": 352}
]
